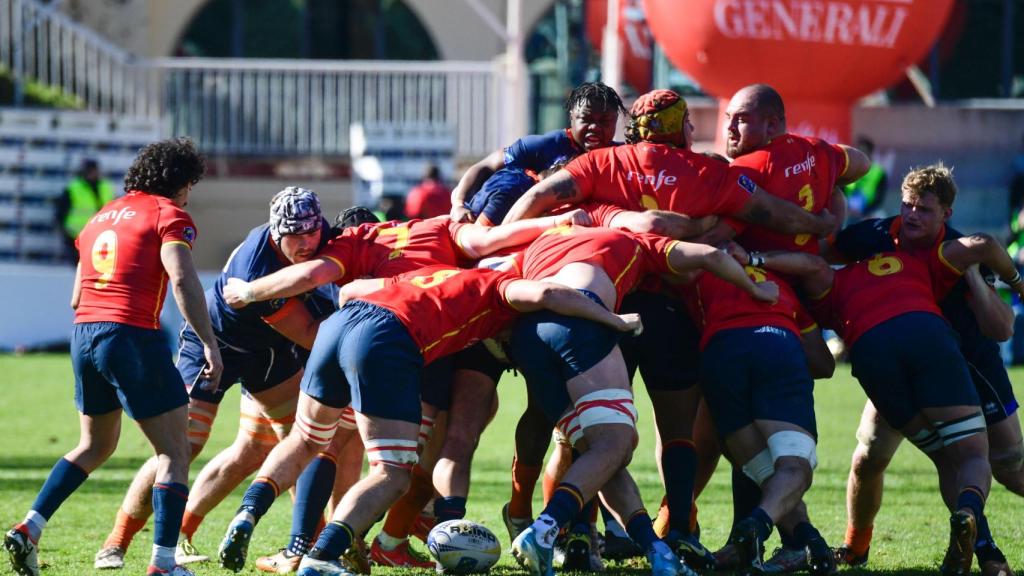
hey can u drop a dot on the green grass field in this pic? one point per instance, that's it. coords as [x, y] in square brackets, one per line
[39, 415]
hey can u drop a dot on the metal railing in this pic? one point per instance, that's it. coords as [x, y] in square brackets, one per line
[248, 106]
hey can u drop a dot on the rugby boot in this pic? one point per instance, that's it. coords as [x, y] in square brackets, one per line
[22, 551]
[847, 557]
[515, 526]
[176, 571]
[311, 567]
[186, 552]
[111, 558]
[821, 560]
[284, 562]
[691, 551]
[235, 546]
[401, 556]
[785, 560]
[749, 548]
[963, 531]
[536, 559]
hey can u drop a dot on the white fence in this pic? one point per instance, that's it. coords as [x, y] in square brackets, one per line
[248, 106]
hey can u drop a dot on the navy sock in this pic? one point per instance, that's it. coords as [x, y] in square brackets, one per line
[168, 508]
[985, 539]
[449, 508]
[581, 523]
[565, 503]
[334, 540]
[802, 535]
[62, 482]
[764, 523]
[641, 530]
[679, 464]
[746, 495]
[312, 492]
[971, 497]
[259, 497]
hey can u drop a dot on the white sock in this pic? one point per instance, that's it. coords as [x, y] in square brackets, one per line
[163, 557]
[546, 530]
[35, 522]
[389, 542]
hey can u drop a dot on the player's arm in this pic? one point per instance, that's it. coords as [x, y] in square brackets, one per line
[531, 296]
[686, 256]
[478, 241]
[552, 192]
[472, 180]
[982, 249]
[814, 274]
[664, 223]
[857, 165]
[358, 289]
[820, 361]
[76, 290]
[995, 317]
[176, 258]
[766, 210]
[837, 205]
[295, 323]
[286, 282]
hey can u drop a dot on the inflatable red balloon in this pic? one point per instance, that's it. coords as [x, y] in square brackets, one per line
[634, 35]
[821, 55]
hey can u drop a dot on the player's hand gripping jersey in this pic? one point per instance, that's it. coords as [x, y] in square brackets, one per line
[797, 169]
[122, 277]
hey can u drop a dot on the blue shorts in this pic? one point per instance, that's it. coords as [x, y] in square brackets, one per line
[122, 366]
[752, 374]
[667, 352]
[499, 192]
[479, 359]
[992, 383]
[436, 382]
[364, 356]
[550, 349]
[912, 362]
[257, 371]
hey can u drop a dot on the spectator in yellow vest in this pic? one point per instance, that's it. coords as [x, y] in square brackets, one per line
[865, 196]
[85, 194]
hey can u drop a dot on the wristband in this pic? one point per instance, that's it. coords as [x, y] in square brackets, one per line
[245, 293]
[755, 259]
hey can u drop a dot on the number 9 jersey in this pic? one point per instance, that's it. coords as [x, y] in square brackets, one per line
[122, 275]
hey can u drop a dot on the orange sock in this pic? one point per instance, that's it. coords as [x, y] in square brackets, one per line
[190, 523]
[125, 528]
[858, 540]
[661, 520]
[403, 513]
[524, 481]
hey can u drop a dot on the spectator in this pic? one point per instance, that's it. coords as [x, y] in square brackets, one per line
[85, 194]
[1017, 182]
[865, 196]
[429, 198]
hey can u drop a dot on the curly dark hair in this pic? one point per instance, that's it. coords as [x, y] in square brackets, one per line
[163, 168]
[597, 95]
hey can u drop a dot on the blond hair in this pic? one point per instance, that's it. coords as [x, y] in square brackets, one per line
[936, 179]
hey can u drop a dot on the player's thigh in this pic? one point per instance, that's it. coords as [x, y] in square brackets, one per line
[94, 394]
[388, 442]
[666, 352]
[138, 362]
[877, 439]
[725, 380]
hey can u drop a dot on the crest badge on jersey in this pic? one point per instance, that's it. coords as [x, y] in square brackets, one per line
[746, 183]
[190, 234]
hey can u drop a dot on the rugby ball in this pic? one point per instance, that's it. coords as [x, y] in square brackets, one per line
[463, 547]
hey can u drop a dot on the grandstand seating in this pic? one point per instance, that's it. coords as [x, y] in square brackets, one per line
[40, 150]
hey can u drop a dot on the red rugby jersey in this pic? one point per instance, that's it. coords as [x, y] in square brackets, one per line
[799, 170]
[123, 278]
[649, 176]
[447, 309]
[626, 257]
[718, 305]
[869, 292]
[393, 248]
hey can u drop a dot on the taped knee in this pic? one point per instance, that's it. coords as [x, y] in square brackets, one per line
[258, 428]
[426, 427]
[953, 431]
[760, 467]
[793, 444]
[347, 421]
[390, 452]
[568, 430]
[606, 407]
[199, 423]
[282, 417]
[318, 433]
[926, 440]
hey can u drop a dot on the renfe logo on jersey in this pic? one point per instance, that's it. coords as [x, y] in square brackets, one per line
[801, 167]
[124, 213]
[655, 181]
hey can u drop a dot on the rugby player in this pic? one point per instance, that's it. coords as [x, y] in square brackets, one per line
[130, 249]
[979, 317]
[593, 110]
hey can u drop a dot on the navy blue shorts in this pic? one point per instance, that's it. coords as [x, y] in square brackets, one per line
[912, 362]
[992, 383]
[122, 366]
[257, 371]
[667, 352]
[436, 382]
[479, 359]
[498, 193]
[364, 355]
[760, 373]
[550, 349]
